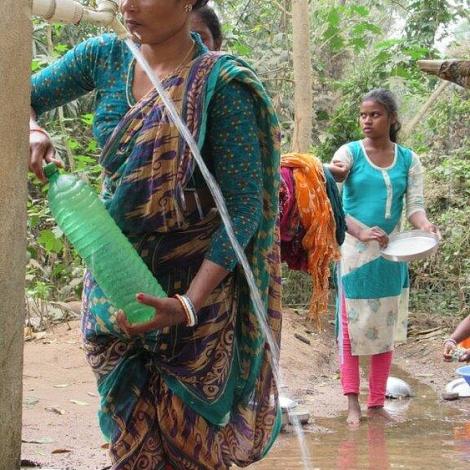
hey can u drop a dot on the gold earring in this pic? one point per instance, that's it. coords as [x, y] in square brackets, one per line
[188, 8]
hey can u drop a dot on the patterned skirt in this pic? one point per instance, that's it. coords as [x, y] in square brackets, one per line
[177, 398]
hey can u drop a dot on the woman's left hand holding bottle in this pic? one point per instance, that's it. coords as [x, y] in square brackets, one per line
[168, 312]
[41, 149]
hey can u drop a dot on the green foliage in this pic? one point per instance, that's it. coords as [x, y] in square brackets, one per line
[54, 270]
[424, 19]
[443, 281]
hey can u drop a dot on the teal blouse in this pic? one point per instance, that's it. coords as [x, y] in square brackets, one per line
[105, 66]
[374, 195]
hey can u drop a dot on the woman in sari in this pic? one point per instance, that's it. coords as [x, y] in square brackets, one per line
[175, 395]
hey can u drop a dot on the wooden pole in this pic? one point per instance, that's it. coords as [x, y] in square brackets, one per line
[303, 99]
[454, 70]
[15, 70]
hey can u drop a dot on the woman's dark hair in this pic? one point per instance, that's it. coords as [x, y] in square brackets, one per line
[199, 4]
[388, 101]
[211, 20]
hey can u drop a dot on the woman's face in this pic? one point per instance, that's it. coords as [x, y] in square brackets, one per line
[155, 21]
[375, 120]
[199, 26]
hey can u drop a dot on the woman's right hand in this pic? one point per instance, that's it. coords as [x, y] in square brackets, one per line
[42, 151]
[449, 348]
[374, 234]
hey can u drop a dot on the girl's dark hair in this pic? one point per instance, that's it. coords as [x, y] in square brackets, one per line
[211, 20]
[388, 101]
[199, 4]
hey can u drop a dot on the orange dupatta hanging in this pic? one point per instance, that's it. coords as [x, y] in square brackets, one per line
[318, 220]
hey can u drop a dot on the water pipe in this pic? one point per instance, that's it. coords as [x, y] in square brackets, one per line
[73, 12]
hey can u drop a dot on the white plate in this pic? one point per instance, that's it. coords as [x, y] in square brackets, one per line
[411, 245]
[459, 386]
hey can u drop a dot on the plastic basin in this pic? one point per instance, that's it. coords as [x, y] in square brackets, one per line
[465, 373]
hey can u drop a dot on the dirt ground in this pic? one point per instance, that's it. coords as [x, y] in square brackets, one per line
[60, 429]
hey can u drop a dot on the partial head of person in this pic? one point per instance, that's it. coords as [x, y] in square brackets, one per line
[206, 23]
[157, 21]
[378, 115]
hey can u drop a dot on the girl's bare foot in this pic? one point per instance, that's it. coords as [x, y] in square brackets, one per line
[354, 410]
[380, 412]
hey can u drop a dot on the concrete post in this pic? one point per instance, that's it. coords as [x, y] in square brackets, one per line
[15, 70]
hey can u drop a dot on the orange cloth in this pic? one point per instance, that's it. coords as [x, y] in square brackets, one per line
[465, 343]
[318, 220]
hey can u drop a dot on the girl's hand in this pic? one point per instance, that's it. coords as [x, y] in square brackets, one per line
[449, 348]
[339, 170]
[431, 228]
[465, 357]
[374, 234]
[168, 312]
[42, 151]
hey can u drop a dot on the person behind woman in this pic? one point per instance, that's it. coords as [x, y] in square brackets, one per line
[461, 334]
[175, 395]
[205, 22]
[378, 174]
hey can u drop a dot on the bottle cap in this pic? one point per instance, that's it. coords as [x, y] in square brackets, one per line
[50, 169]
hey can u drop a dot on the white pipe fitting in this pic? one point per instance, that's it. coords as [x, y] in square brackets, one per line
[64, 11]
[71, 11]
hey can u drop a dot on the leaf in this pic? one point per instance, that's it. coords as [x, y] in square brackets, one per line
[78, 402]
[334, 18]
[42, 440]
[365, 26]
[61, 451]
[360, 10]
[55, 410]
[87, 119]
[50, 242]
[31, 401]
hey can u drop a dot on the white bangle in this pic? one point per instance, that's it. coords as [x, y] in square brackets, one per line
[188, 308]
[450, 340]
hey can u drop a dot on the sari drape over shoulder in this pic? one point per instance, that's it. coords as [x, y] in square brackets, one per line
[201, 397]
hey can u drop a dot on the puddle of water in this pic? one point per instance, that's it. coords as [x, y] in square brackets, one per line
[428, 435]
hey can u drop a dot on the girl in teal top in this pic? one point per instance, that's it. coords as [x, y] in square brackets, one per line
[379, 177]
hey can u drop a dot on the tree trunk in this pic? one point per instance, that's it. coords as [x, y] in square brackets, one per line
[410, 127]
[303, 101]
[15, 70]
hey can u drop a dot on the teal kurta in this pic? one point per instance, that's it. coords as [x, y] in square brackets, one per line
[376, 290]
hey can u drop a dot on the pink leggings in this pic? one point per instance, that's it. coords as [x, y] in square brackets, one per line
[379, 370]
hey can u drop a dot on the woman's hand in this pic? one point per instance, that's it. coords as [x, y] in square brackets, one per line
[373, 234]
[168, 312]
[42, 151]
[449, 348]
[339, 170]
[465, 356]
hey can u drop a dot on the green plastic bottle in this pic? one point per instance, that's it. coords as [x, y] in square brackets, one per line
[119, 270]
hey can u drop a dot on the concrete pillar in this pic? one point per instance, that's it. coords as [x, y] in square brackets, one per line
[15, 70]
